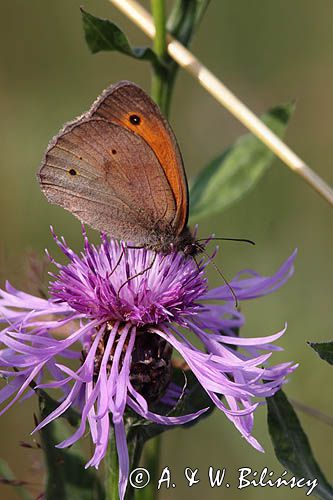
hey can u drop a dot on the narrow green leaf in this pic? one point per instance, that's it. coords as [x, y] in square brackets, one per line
[66, 475]
[183, 21]
[227, 178]
[324, 349]
[292, 446]
[48, 404]
[102, 34]
[7, 477]
[185, 18]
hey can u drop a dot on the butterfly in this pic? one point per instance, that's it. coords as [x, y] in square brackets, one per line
[118, 168]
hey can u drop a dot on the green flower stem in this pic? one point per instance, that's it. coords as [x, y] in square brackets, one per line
[184, 18]
[158, 9]
[111, 470]
[135, 443]
[159, 90]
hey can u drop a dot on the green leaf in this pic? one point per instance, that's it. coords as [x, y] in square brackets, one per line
[183, 21]
[48, 404]
[292, 446]
[7, 477]
[324, 349]
[237, 170]
[66, 475]
[102, 34]
[185, 18]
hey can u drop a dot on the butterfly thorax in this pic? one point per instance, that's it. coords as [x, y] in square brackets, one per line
[184, 242]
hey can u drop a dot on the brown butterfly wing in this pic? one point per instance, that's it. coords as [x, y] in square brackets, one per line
[110, 178]
[127, 104]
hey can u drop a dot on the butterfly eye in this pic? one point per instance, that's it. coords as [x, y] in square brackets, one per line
[135, 119]
[72, 171]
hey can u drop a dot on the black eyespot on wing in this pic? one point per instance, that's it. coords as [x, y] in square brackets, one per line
[114, 152]
[72, 171]
[135, 120]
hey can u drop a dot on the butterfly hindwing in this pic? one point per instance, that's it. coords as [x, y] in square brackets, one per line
[110, 178]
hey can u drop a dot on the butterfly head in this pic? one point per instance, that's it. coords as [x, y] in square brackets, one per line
[185, 242]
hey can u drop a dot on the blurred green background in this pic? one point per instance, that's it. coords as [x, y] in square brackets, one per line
[267, 52]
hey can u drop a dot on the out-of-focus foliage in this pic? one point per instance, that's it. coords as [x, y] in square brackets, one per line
[7, 478]
[66, 473]
[237, 170]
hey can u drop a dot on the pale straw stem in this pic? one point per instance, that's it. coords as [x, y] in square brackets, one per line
[136, 12]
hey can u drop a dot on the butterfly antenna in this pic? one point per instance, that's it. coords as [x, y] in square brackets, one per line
[242, 240]
[137, 274]
[218, 270]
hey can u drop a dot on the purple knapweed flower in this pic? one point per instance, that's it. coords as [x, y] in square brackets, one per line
[128, 308]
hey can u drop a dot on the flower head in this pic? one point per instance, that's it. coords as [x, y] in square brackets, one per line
[116, 283]
[128, 309]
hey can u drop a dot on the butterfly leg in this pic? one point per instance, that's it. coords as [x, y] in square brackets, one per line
[131, 247]
[122, 253]
[137, 274]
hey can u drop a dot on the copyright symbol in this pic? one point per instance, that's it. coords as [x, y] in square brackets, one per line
[139, 478]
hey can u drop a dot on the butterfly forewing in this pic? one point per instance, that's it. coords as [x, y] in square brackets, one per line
[127, 104]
